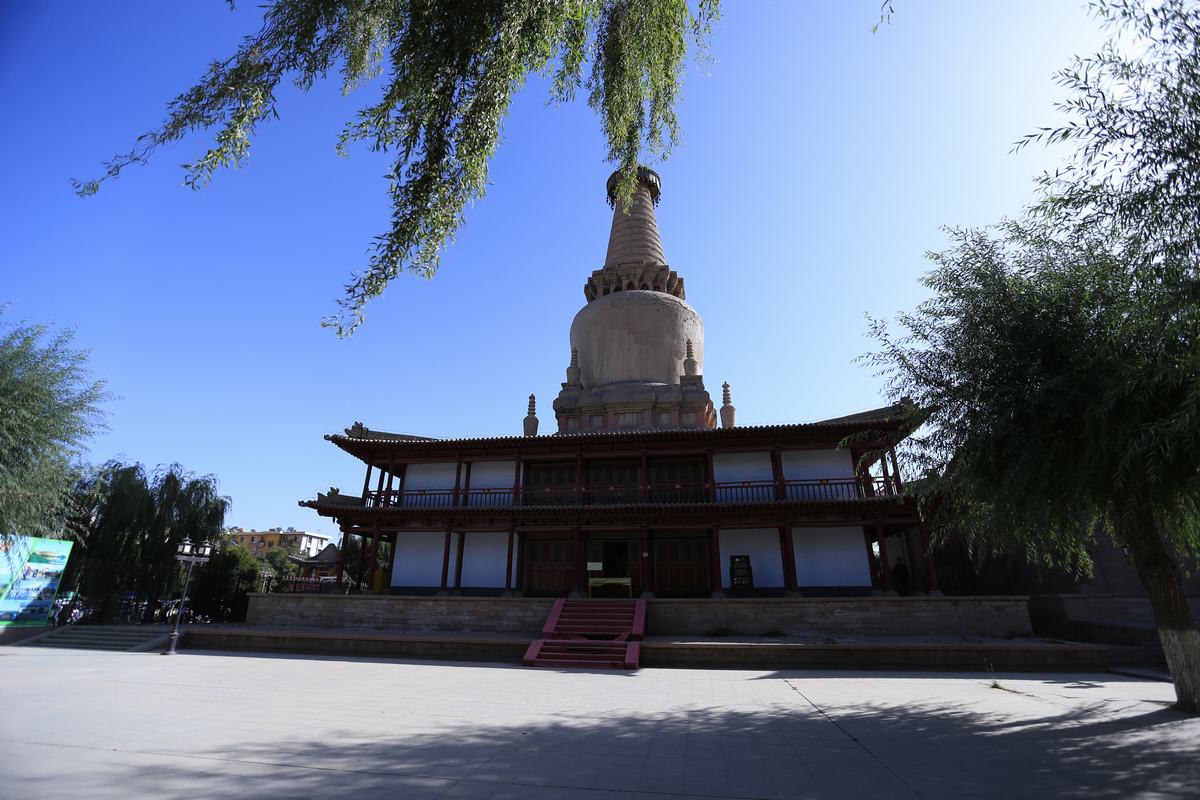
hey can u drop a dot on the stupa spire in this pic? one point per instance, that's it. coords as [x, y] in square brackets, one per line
[633, 238]
[635, 259]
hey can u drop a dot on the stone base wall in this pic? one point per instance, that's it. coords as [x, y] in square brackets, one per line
[396, 613]
[789, 616]
[843, 616]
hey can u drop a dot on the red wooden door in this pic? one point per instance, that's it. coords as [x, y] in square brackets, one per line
[681, 567]
[549, 566]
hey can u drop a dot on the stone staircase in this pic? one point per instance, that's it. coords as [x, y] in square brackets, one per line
[598, 634]
[124, 638]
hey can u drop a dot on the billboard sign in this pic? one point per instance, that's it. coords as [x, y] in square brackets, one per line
[30, 571]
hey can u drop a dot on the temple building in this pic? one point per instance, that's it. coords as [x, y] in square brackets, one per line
[645, 487]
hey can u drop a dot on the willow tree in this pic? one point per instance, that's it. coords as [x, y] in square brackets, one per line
[1058, 389]
[49, 406]
[445, 72]
[1056, 368]
[133, 522]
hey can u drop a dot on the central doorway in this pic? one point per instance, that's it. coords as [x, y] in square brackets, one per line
[618, 558]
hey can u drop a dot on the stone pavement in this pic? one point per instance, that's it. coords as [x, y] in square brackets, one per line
[78, 724]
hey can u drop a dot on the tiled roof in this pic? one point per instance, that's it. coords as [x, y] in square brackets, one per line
[890, 416]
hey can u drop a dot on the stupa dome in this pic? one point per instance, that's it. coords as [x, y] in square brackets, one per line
[636, 335]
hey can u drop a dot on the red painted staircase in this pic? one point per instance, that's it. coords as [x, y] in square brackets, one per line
[603, 634]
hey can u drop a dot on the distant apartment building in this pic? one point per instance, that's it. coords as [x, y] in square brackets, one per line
[305, 543]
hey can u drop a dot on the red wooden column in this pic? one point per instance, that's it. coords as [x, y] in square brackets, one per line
[869, 537]
[519, 576]
[374, 560]
[367, 483]
[715, 562]
[712, 476]
[647, 564]
[445, 562]
[889, 487]
[579, 487]
[458, 559]
[885, 566]
[389, 499]
[516, 494]
[787, 552]
[645, 487]
[457, 491]
[914, 558]
[379, 487]
[927, 553]
[464, 497]
[508, 564]
[345, 548]
[777, 476]
[392, 561]
[580, 562]
[895, 467]
[362, 561]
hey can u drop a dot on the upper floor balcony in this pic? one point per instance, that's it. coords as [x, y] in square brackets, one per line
[820, 490]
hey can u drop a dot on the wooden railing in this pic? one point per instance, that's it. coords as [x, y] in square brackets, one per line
[811, 490]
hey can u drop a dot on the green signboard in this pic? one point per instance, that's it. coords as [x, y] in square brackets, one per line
[30, 571]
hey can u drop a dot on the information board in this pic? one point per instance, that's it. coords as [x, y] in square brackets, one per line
[30, 571]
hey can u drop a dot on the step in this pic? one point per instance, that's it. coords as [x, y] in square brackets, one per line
[595, 658]
[541, 662]
[571, 647]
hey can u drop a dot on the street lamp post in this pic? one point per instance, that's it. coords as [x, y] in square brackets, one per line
[192, 555]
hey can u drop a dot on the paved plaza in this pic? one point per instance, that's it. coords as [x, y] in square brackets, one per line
[82, 724]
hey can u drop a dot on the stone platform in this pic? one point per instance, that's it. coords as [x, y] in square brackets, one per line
[792, 617]
[905, 653]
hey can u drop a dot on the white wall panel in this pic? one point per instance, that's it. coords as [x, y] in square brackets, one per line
[485, 556]
[762, 545]
[492, 475]
[728, 467]
[819, 465]
[419, 559]
[830, 557]
[429, 476]
[804, 465]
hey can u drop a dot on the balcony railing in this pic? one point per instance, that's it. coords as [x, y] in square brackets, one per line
[812, 490]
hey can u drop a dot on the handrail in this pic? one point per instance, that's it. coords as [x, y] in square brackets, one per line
[750, 491]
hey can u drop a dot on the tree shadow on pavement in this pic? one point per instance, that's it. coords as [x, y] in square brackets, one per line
[772, 743]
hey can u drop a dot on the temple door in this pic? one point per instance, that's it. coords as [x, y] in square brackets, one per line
[549, 566]
[681, 567]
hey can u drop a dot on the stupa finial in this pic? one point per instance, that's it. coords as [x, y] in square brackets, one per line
[531, 420]
[728, 412]
[690, 367]
[574, 373]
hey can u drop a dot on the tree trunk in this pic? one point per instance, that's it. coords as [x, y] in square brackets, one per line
[1176, 626]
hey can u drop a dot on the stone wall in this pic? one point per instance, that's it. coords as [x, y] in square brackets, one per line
[842, 616]
[388, 612]
[801, 617]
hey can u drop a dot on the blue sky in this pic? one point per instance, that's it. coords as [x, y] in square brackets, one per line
[817, 166]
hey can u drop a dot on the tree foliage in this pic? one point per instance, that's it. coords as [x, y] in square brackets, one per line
[133, 523]
[277, 559]
[1056, 382]
[1056, 368]
[48, 406]
[1135, 123]
[450, 69]
[219, 587]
